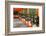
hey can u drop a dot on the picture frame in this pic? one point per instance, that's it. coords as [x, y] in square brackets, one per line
[9, 17]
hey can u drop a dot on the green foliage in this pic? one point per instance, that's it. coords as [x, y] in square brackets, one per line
[32, 12]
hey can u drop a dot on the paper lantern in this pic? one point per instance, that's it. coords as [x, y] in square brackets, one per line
[18, 9]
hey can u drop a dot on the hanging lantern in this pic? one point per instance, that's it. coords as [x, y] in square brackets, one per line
[18, 9]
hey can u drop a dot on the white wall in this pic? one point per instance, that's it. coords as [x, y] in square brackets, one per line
[2, 18]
